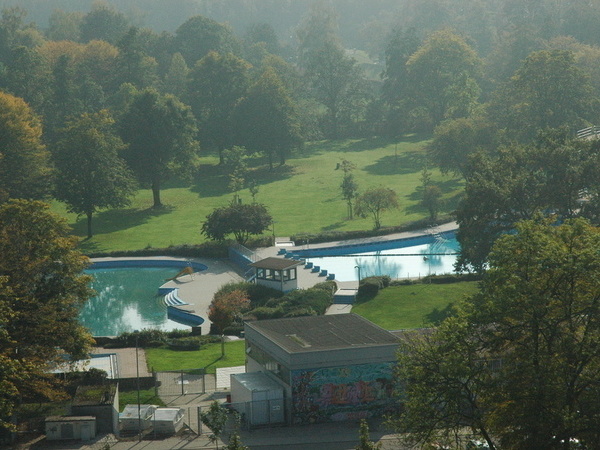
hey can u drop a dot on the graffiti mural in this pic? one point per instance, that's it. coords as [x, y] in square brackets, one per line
[341, 393]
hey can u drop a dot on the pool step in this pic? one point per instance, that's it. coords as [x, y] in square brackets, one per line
[344, 296]
[171, 299]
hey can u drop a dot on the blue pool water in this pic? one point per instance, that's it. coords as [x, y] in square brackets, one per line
[127, 300]
[426, 256]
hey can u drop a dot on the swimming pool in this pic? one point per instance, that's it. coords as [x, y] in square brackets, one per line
[127, 297]
[406, 258]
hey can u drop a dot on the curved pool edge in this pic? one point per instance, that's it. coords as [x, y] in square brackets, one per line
[174, 313]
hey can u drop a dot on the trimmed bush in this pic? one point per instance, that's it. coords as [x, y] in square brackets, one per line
[264, 312]
[258, 294]
[205, 250]
[184, 344]
[369, 287]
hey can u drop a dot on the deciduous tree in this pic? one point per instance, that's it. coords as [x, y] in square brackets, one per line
[519, 363]
[160, 132]
[266, 119]
[217, 83]
[24, 166]
[227, 307]
[241, 220]
[43, 289]
[90, 173]
[375, 202]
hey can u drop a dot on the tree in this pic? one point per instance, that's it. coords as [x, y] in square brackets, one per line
[159, 131]
[197, 36]
[549, 177]
[215, 419]
[241, 220]
[349, 186]
[454, 141]
[103, 23]
[24, 170]
[442, 77]
[234, 160]
[176, 78]
[217, 83]
[431, 194]
[43, 289]
[227, 307]
[365, 439]
[519, 362]
[547, 91]
[375, 201]
[91, 174]
[235, 443]
[266, 119]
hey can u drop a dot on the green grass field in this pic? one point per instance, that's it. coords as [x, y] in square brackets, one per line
[208, 357]
[303, 196]
[413, 306]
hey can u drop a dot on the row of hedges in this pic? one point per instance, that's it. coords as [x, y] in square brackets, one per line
[330, 236]
[205, 250]
[146, 338]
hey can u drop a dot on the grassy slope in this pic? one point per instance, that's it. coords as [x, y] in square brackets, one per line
[413, 306]
[303, 196]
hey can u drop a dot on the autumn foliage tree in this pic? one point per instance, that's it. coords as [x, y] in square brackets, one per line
[226, 307]
[42, 289]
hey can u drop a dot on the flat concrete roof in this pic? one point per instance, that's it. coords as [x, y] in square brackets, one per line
[317, 333]
[275, 263]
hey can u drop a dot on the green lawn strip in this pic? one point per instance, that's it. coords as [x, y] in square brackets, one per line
[208, 357]
[303, 196]
[401, 307]
[147, 397]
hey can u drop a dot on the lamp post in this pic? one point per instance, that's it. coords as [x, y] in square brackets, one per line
[358, 268]
[137, 371]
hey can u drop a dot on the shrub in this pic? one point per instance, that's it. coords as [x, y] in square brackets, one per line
[369, 287]
[264, 312]
[329, 286]
[299, 312]
[316, 299]
[144, 338]
[184, 344]
[257, 293]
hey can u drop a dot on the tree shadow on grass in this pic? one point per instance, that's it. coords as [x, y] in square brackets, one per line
[401, 164]
[447, 205]
[213, 181]
[115, 220]
[436, 316]
[333, 226]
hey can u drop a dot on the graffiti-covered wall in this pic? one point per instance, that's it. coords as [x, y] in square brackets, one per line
[341, 393]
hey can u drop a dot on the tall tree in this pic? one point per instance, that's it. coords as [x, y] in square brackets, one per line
[160, 132]
[199, 35]
[103, 23]
[43, 291]
[217, 82]
[266, 119]
[336, 81]
[519, 363]
[24, 167]
[91, 174]
[547, 91]
[517, 182]
[443, 76]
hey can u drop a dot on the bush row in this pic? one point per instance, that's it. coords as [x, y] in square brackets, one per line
[205, 250]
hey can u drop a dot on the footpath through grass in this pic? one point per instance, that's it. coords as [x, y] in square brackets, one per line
[208, 357]
[413, 306]
[303, 196]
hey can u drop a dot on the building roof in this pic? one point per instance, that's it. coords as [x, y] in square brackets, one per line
[318, 333]
[275, 263]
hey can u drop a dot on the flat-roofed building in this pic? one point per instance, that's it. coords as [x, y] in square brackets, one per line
[332, 368]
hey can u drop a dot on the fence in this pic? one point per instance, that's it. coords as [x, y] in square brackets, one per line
[177, 383]
[242, 256]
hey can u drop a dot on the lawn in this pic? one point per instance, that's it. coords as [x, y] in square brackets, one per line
[208, 357]
[303, 196]
[413, 306]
